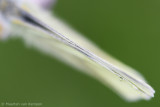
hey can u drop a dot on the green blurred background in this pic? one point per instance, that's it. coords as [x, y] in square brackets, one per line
[127, 29]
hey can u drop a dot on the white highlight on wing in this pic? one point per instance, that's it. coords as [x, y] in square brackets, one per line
[66, 44]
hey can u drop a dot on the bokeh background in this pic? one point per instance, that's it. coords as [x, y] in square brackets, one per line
[127, 29]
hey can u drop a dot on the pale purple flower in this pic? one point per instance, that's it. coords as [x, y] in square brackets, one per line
[43, 3]
[4, 28]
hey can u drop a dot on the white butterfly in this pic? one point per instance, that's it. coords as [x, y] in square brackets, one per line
[38, 28]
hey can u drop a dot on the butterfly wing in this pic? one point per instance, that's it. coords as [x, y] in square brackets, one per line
[74, 49]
